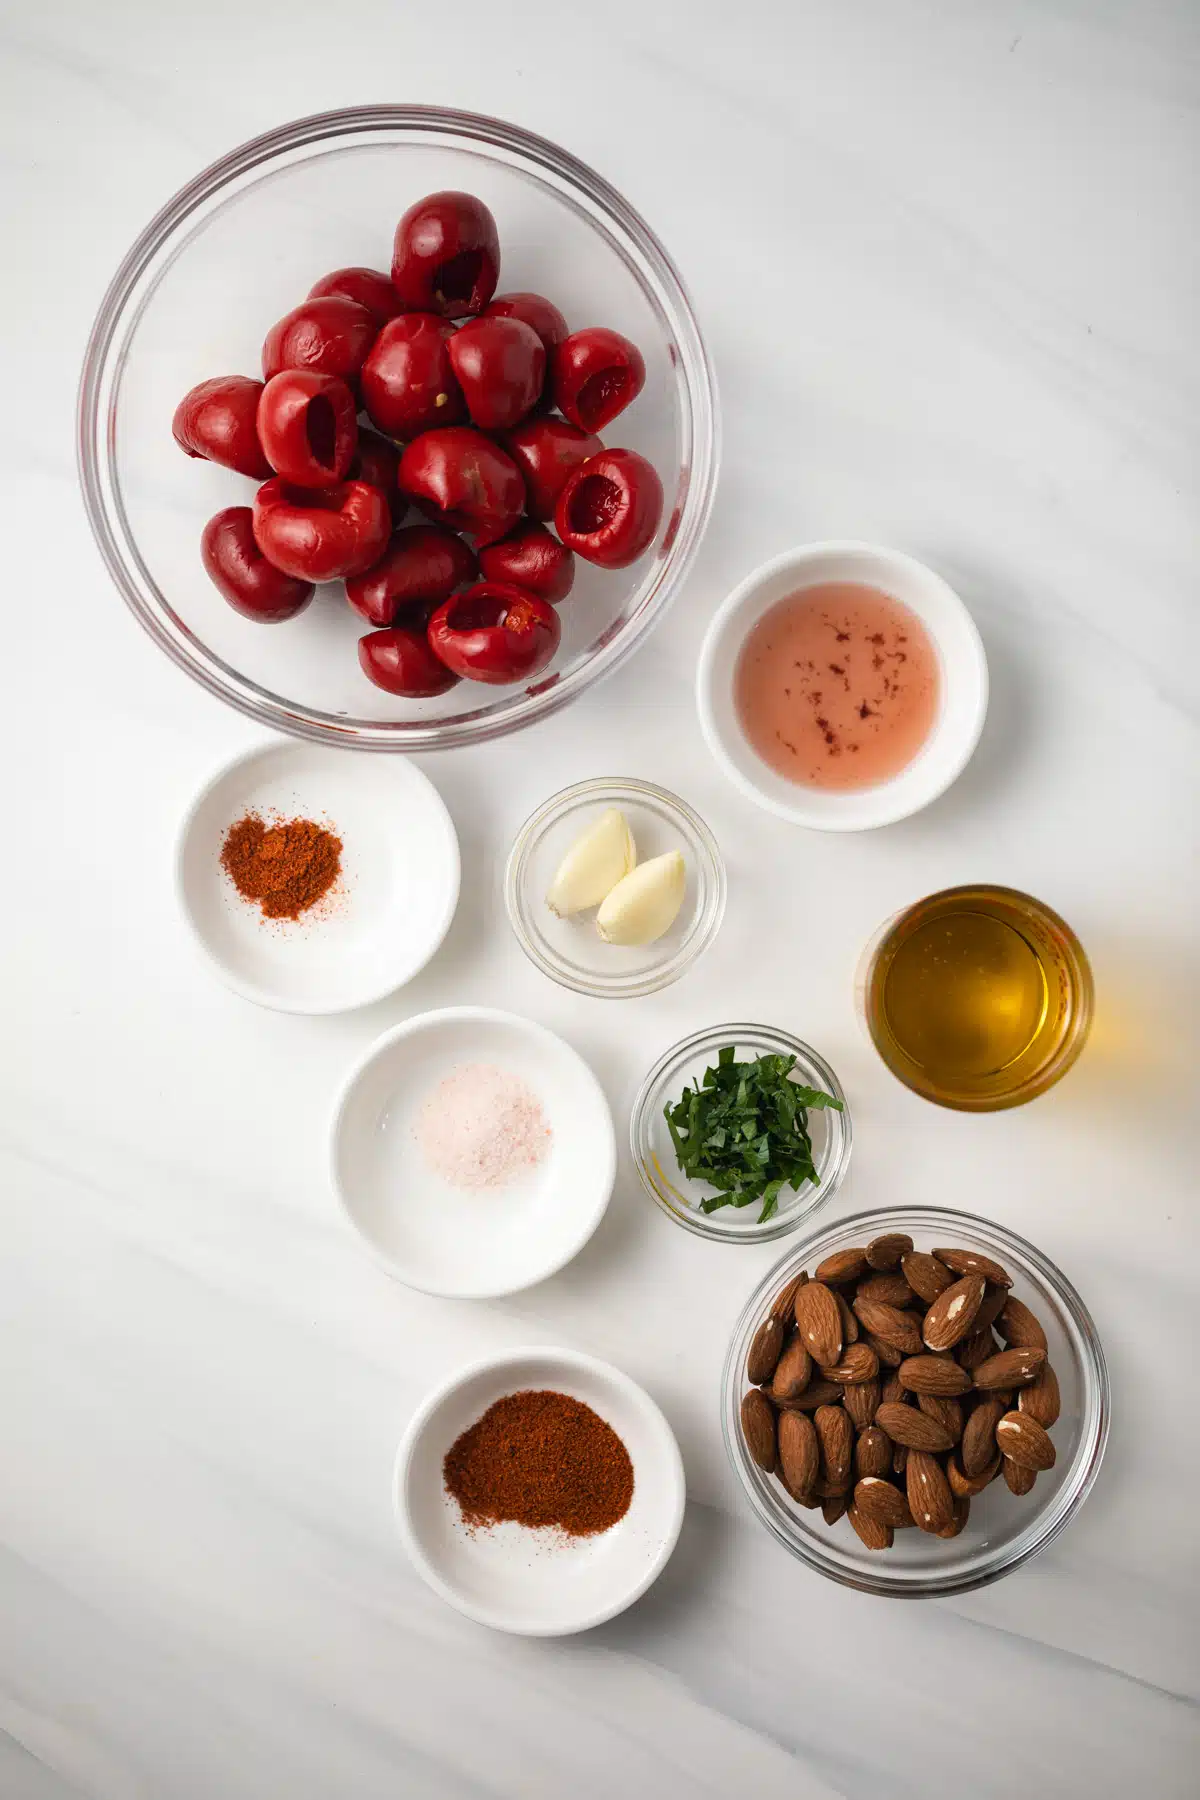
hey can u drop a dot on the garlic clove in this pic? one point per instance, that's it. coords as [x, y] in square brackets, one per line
[593, 865]
[646, 903]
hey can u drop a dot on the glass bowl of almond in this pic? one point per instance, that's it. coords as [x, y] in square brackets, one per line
[915, 1401]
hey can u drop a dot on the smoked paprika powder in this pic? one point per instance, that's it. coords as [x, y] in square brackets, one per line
[285, 867]
[540, 1458]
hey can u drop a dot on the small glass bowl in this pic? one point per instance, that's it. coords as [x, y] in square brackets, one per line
[654, 1154]
[1003, 1530]
[570, 951]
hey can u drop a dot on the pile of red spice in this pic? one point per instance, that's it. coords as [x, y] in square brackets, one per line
[285, 868]
[540, 1458]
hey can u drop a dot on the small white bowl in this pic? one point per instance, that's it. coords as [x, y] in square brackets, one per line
[538, 1583]
[964, 697]
[470, 1244]
[389, 911]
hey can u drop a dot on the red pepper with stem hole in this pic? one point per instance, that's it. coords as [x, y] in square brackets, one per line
[446, 257]
[237, 567]
[319, 534]
[330, 334]
[308, 427]
[531, 558]
[368, 287]
[500, 365]
[546, 451]
[408, 381]
[610, 508]
[400, 661]
[422, 565]
[594, 376]
[464, 480]
[533, 310]
[495, 633]
[218, 420]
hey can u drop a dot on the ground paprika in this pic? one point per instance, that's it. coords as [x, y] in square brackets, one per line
[285, 867]
[540, 1458]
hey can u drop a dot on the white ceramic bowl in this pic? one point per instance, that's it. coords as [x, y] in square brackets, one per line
[470, 1244]
[963, 664]
[536, 1582]
[392, 906]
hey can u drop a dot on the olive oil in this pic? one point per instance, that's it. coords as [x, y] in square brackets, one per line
[978, 997]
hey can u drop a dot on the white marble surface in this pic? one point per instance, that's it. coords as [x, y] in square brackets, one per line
[946, 258]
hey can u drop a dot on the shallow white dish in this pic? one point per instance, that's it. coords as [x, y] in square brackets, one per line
[470, 1244]
[963, 664]
[539, 1583]
[392, 905]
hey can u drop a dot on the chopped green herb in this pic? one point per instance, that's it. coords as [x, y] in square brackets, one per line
[744, 1131]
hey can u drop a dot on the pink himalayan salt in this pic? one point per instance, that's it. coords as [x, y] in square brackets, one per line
[481, 1127]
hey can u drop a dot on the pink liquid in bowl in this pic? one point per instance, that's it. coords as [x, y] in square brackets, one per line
[838, 686]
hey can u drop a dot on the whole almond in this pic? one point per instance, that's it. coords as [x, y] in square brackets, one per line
[905, 1425]
[934, 1375]
[783, 1305]
[952, 1314]
[819, 1322]
[1018, 1477]
[766, 1346]
[962, 1512]
[872, 1452]
[886, 1251]
[899, 1459]
[890, 1324]
[1024, 1441]
[758, 1428]
[1041, 1399]
[893, 1388]
[1011, 1368]
[929, 1498]
[858, 1363]
[832, 1509]
[979, 1436]
[860, 1398]
[963, 1485]
[833, 1490]
[973, 1262]
[819, 1392]
[836, 1435]
[890, 1355]
[874, 1535]
[975, 1348]
[886, 1290]
[850, 1331]
[882, 1501]
[990, 1307]
[799, 1452]
[791, 1374]
[843, 1265]
[925, 1275]
[1018, 1326]
[947, 1412]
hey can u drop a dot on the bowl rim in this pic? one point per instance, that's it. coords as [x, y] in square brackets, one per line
[711, 1225]
[883, 810]
[611, 787]
[425, 1021]
[130, 290]
[674, 1481]
[933, 1583]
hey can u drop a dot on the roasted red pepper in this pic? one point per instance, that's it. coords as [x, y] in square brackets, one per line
[253, 586]
[495, 633]
[610, 508]
[219, 420]
[465, 481]
[330, 334]
[319, 534]
[446, 257]
[594, 376]
[369, 287]
[546, 451]
[501, 366]
[531, 558]
[422, 565]
[308, 427]
[401, 661]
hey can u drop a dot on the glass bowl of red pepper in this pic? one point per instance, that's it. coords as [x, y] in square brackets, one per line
[229, 256]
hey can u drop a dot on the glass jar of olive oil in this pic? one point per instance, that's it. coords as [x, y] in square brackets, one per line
[978, 997]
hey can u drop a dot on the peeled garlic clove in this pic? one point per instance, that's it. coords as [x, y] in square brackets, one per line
[646, 903]
[593, 865]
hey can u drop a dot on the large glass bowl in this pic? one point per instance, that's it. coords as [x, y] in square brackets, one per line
[241, 245]
[1003, 1531]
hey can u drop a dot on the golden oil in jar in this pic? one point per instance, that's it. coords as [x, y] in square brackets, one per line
[978, 997]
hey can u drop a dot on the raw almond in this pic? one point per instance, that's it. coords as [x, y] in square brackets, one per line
[1041, 1399]
[962, 1512]
[836, 1435]
[934, 1375]
[962, 1484]
[819, 1392]
[1019, 1478]
[899, 1459]
[976, 1348]
[1011, 1368]
[849, 1322]
[872, 1452]
[893, 1388]
[873, 1535]
[791, 1374]
[782, 1307]
[860, 1398]
[1018, 1326]
[886, 1290]
[758, 1428]
[952, 1314]
[979, 1436]
[819, 1322]
[832, 1509]
[947, 1412]
[882, 1501]
[765, 1349]
[890, 1324]
[1024, 1441]
[973, 1262]
[925, 1275]
[832, 1490]
[843, 1265]
[929, 1498]
[886, 1251]
[990, 1307]
[890, 1355]
[859, 1363]
[905, 1425]
[799, 1452]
